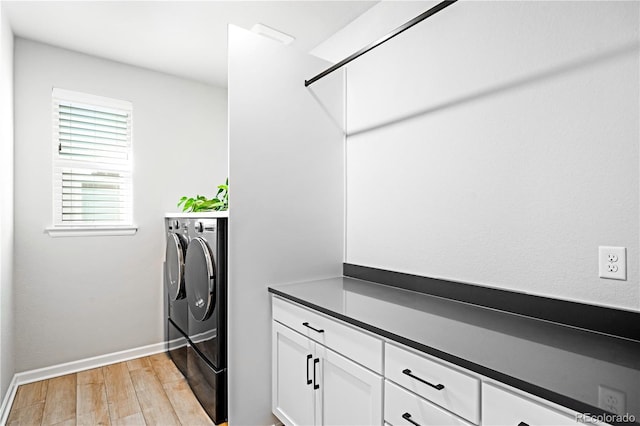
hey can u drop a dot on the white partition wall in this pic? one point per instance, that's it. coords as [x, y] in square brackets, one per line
[286, 205]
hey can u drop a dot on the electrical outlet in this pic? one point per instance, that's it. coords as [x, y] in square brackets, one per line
[612, 262]
[612, 400]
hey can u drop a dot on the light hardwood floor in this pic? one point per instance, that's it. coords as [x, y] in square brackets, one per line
[143, 391]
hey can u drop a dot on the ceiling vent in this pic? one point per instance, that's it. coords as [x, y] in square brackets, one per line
[272, 33]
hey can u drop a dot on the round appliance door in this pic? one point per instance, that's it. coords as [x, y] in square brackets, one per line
[200, 279]
[174, 262]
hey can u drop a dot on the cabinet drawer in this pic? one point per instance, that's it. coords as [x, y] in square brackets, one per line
[458, 393]
[404, 408]
[352, 343]
[502, 407]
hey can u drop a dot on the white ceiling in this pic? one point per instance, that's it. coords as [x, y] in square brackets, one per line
[183, 38]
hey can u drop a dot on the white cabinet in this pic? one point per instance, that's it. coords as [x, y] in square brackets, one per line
[293, 399]
[328, 372]
[348, 394]
[501, 407]
[404, 408]
[450, 388]
[422, 390]
[313, 384]
[342, 338]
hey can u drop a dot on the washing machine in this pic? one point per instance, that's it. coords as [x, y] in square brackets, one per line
[176, 307]
[197, 311]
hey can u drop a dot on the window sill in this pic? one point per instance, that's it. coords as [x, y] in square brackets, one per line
[89, 231]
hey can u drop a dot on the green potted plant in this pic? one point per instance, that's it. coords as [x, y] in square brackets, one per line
[203, 204]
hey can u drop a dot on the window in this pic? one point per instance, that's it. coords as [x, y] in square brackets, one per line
[92, 166]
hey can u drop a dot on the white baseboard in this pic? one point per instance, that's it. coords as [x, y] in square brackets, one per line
[75, 366]
[8, 400]
[88, 363]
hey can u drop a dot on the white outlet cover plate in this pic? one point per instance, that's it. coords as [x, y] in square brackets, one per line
[616, 270]
[612, 400]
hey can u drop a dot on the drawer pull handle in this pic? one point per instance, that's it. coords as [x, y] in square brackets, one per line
[522, 424]
[308, 358]
[315, 385]
[306, 324]
[407, 417]
[439, 386]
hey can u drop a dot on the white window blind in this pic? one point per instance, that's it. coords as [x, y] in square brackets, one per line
[92, 161]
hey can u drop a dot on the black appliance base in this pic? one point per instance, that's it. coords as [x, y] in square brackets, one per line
[208, 385]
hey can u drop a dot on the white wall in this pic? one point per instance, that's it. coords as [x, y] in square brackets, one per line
[6, 204]
[78, 297]
[498, 142]
[372, 25]
[286, 208]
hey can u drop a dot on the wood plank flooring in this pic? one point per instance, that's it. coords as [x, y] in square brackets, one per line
[143, 391]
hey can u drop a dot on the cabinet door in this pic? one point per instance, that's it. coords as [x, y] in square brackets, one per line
[293, 399]
[349, 394]
[503, 408]
[403, 408]
[450, 388]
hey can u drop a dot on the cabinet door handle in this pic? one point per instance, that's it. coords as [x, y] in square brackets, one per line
[315, 385]
[308, 358]
[306, 324]
[439, 386]
[407, 417]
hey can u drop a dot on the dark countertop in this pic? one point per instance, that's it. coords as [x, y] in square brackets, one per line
[562, 364]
